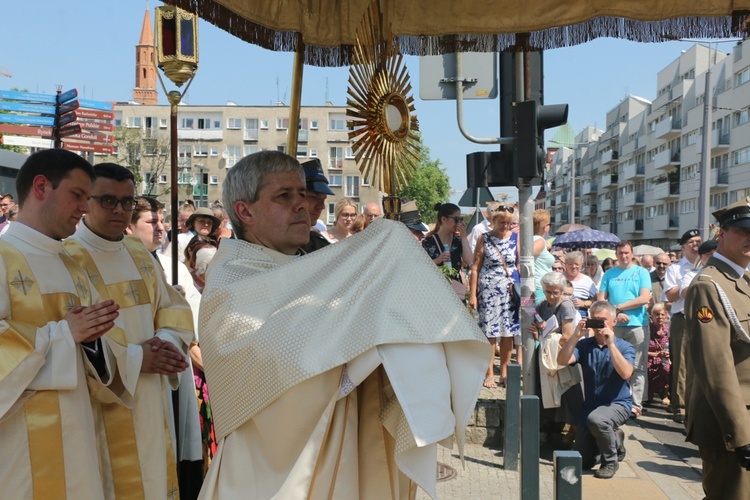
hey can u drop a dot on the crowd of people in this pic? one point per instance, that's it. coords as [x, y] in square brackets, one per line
[144, 386]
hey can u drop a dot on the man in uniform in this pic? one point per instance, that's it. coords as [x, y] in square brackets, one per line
[690, 243]
[341, 334]
[717, 310]
[317, 191]
[54, 355]
[136, 445]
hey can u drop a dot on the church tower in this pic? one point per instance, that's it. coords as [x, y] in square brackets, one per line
[145, 70]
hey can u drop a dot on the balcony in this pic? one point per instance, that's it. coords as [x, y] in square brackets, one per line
[585, 211]
[719, 178]
[552, 202]
[610, 157]
[605, 205]
[719, 141]
[632, 226]
[669, 128]
[335, 163]
[586, 189]
[200, 135]
[251, 134]
[302, 137]
[666, 222]
[631, 199]
[666, 190]
[606, 227]
[667, 160]
[564, 198]
[633, 171]
[594, 209]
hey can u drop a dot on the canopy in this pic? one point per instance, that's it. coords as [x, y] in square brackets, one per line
[571, 227]
[586, 238]
[429, 27]
[647, 250]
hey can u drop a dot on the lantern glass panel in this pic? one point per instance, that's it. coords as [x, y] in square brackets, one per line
[187, 44]
[169, 35]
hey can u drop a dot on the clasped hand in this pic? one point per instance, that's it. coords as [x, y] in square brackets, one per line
[162, 357]
[89, 323]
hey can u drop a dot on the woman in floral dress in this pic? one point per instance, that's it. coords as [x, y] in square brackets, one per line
[658, 354]
[493, 271]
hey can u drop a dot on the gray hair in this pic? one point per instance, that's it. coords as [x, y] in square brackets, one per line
[554, 279]
[574, 256]
[248, 176]
[603, 305]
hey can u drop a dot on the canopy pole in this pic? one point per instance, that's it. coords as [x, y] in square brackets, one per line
[296, 98]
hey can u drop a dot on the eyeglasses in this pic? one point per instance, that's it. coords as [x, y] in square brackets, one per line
[552, 293]
[503, 208]
[457, 219]
[110, 202]
[348, 216]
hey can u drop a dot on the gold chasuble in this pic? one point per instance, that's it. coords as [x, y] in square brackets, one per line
[47, 433]
[136, 446]
[317, 365]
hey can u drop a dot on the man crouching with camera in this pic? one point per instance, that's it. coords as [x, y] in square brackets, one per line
[607, 364]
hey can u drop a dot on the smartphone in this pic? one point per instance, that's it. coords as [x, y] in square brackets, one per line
[594, 323]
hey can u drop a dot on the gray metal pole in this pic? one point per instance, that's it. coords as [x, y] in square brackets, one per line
[705, 176]
[529, 476]
[511, 422]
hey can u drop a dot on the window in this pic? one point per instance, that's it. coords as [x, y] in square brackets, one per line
[281, 149]
[188, 123]
[741, 156]
[162, 123]
[134, 122]
[213, 180]
[349, 153]
[738, 195]
[352, 186]
[687, 206]
[313, 124]
[334, 180]
[118, 122]
[214, 151]
[251, 129]
[303, 123]
[234, 154]
[282, 123]
[204, 123]
[741, 77]
[217, 124]
[249, 149]
[184, 154]
[365, 181]
[162, 178]
[313, 153]
[301, 151]
[234, 123]
[331, 212]
[201, 150]
[336, 158]
[264, 124]
[741, 117]
[337, 122]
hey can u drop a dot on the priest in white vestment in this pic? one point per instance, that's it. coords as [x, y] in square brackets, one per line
[53, 357]
[137, 447]
[317, 363]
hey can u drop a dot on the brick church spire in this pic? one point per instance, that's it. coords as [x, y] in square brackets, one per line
[145, 71]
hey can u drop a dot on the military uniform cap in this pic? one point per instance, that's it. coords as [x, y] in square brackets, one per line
[315, 178]
[737, 214]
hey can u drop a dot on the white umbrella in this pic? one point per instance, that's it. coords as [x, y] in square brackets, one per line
[647, 250]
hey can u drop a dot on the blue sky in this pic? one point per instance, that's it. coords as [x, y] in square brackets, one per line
[90, 45]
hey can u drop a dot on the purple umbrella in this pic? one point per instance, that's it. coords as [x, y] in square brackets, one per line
[586, 238]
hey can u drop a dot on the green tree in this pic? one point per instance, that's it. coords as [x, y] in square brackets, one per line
[146, 153]
[428, 186]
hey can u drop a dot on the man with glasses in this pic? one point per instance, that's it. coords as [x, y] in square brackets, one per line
[690, 242]
[661, 263]
[138, 449]
[6, 205]
[716, 310]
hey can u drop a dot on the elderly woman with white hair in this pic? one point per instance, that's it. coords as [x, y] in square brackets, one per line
[584, 289]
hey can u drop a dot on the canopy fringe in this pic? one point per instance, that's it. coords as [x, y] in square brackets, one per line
[552, 38]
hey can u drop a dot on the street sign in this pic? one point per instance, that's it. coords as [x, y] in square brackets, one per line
[24, 130]
[66, 118]
[101, 126]
[70, 129]
[68, 106]
[28, 142]
[88, 148]
[27, 108]
[88, 136]
[12, 95]
[42, 121]
[96, 115]
[68, 95]
[100, 105]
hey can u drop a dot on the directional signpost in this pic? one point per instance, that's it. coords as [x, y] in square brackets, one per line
[50, 118]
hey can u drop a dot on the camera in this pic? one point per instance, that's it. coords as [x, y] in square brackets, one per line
[594, 323]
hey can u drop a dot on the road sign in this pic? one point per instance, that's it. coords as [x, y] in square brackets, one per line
[100, 105]
[66, 118]
[25, 130]
[101, 126]
[68, 95]
[68, 106]
[70, 129]
[28, 142]
[27, 108]
[42, 121]
[27, 96]
[88, 136]
[96, 115]
[88, 148]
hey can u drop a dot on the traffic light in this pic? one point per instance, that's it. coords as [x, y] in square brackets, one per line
[530, 120]
[490, 168]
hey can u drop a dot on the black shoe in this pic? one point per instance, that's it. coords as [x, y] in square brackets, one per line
[621, 447]
[680, 418]
[607, 471]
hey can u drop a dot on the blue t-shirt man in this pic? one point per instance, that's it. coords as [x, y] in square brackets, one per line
[622, 285]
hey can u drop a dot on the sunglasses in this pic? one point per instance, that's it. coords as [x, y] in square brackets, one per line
[457, 219]
[503, 208]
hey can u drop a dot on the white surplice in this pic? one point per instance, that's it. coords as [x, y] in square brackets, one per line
[152, 413]
[317, 367]
[56, 364]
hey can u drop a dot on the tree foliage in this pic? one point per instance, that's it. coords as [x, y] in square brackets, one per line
[146, 153]
[428, 186]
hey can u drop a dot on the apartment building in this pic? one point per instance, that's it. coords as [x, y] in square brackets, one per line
[639, 178]
[211, 139]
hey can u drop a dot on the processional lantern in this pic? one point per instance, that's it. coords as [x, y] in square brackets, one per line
[177, 43]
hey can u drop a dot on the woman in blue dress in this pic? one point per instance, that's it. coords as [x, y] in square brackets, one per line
[492, 272]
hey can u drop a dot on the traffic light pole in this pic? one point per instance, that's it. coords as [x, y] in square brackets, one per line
[526, 238]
